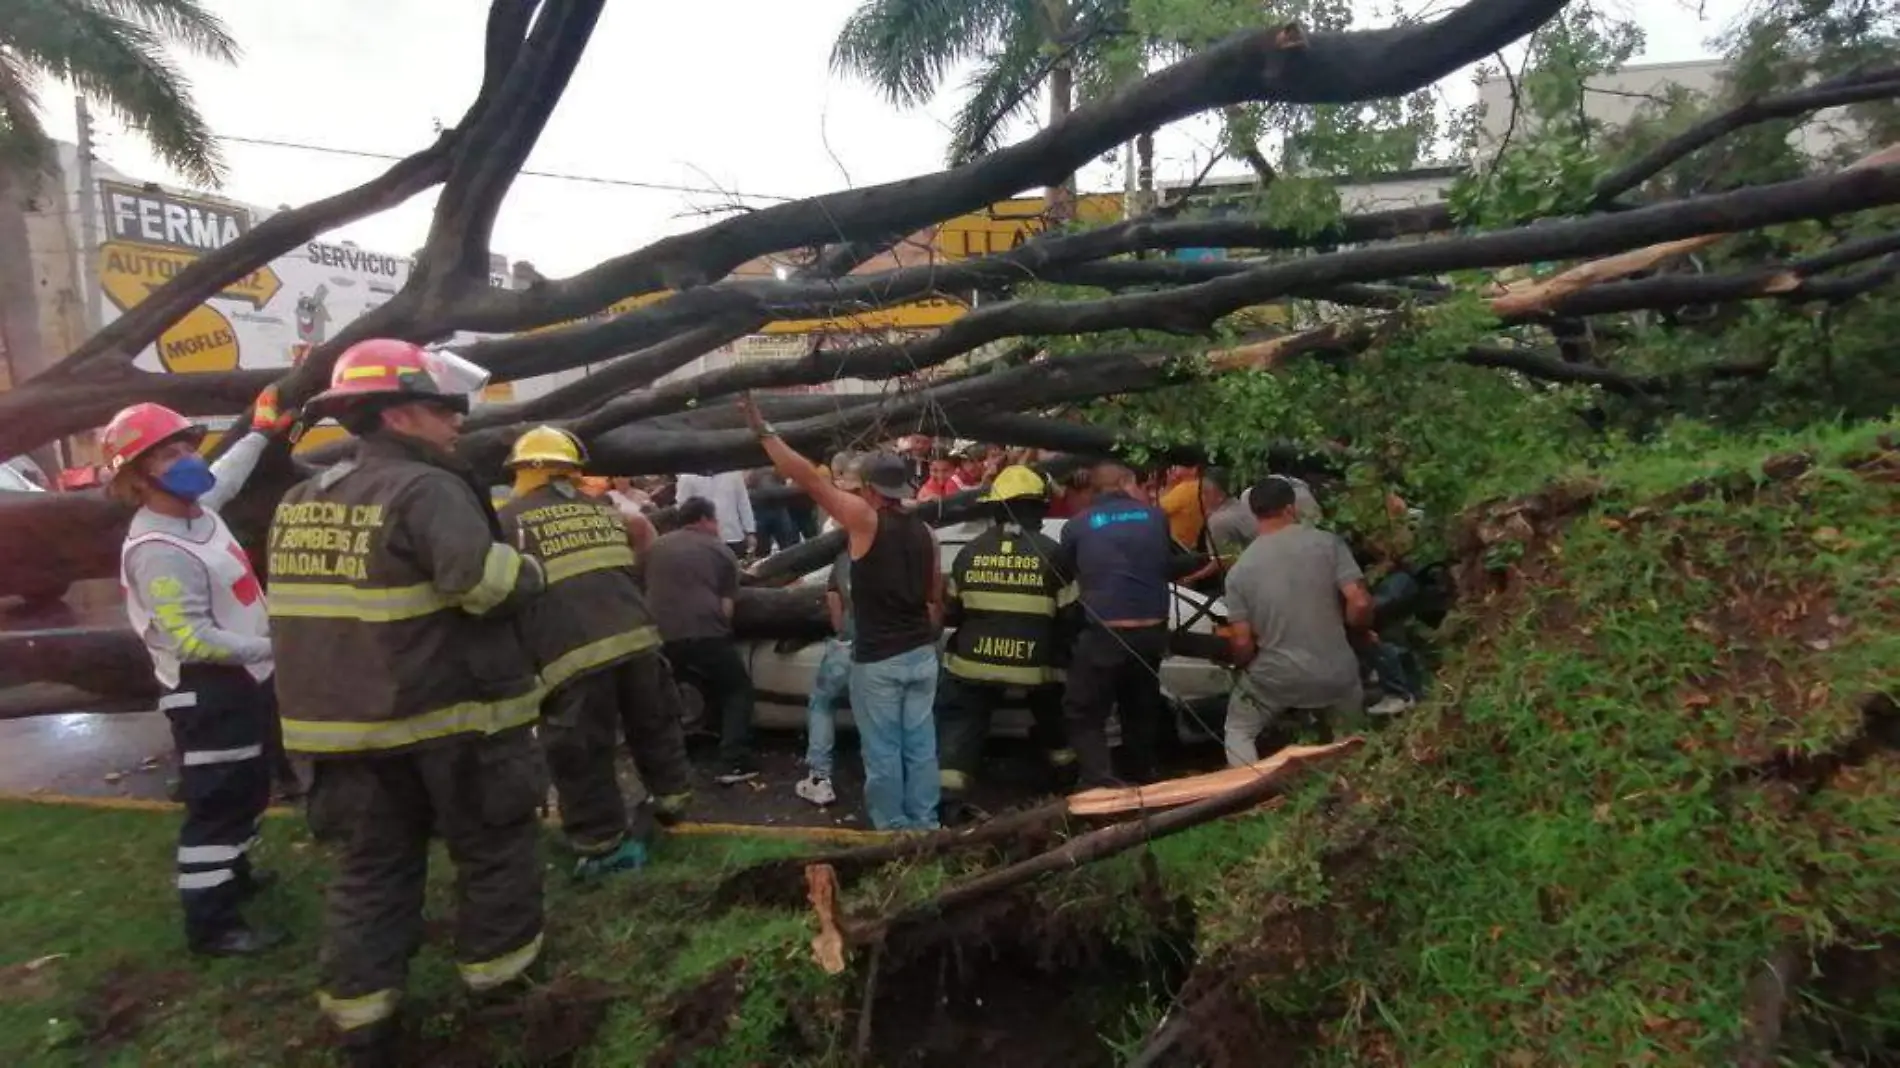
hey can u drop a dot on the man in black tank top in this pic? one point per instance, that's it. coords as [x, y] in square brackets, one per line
[897, 605]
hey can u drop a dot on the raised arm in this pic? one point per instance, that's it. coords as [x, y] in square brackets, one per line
[855, 517]
[233, 469]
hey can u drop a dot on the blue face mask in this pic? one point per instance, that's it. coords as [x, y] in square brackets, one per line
[188, 478]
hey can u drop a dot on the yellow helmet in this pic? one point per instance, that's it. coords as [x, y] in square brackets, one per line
[1015, 483]
[548, 445]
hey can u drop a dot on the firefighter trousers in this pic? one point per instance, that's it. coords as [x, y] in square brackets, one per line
[220, 720]
[581, 723]
[377, 812]
[964, 710]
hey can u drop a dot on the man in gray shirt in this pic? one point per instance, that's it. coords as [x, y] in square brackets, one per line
[1231, 525]
[1290, 599]
[692, 580]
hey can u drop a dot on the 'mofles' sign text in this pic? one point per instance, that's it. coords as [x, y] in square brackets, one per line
[159, 218]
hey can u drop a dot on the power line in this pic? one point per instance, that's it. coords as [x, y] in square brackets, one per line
[631, 183]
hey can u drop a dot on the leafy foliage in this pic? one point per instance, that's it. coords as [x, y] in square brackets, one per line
[1444, 435]
[113, 51]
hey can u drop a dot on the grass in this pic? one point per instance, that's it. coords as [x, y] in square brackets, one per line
[1562, 859]
[87, 893]
[1566, 868]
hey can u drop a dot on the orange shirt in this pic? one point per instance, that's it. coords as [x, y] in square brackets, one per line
[1182, 504]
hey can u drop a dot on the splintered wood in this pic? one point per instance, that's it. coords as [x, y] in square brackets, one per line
[1189, 802]
[1173, 792]
[1523, 298]
[827, 948]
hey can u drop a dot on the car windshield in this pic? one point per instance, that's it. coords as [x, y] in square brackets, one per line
[13, 481]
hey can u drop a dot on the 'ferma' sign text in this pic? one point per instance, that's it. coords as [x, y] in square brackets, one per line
[152, 217]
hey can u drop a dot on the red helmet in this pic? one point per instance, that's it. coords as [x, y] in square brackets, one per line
[386, 367]
[141, 428]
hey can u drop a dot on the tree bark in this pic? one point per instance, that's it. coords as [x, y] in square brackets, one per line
[1084, 849]
[1272, 64]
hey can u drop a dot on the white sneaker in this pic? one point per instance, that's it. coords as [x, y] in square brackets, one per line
[816, 789]
[1391, 705]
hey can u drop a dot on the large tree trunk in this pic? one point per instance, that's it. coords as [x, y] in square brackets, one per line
[21, 345]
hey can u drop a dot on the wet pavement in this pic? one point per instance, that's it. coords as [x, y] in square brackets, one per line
[123, 751]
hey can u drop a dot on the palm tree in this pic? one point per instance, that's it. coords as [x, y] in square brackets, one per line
[907, 47]
[113, 51]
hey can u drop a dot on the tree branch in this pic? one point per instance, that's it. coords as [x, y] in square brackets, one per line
[498, 142]
[1854, 89]
[1195, 308]
[1259, 65]
[1550, 367]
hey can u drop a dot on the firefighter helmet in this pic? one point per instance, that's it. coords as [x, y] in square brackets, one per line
[141, 428]
[385, 368]
[547, 445]
[1015, 483]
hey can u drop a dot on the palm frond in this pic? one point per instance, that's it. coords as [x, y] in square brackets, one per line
[1003, 87]
[25, 147]
[122, 65]
[181, 22]
[906, 47]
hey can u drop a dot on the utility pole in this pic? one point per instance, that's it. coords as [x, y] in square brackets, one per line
[88, 220]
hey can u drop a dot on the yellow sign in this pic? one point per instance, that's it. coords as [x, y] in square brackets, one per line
[201, 341]
[128, 272]
[998, 228]
[1008, 223]
[917, 315]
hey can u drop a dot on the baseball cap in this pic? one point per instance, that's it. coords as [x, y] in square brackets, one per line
[889, 476]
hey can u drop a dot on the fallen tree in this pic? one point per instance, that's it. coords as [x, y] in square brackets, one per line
[1160, 323]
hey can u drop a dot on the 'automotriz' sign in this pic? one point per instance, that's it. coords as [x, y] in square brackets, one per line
[154, 217]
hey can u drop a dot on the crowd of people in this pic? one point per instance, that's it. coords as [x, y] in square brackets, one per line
[437, 657]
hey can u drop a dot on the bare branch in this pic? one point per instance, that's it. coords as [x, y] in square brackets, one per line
[1259, 65]
[1195, 308]
[1856, 89]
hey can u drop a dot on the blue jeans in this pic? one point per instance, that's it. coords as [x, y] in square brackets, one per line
[821, 712]
[891, 700]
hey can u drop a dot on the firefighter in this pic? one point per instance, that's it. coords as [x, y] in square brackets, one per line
[194, 601]
[402, 674]
[599, 656]
[1007, 600]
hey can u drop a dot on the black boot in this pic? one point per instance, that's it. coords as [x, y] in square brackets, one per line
[240, 940]
[374, 1046]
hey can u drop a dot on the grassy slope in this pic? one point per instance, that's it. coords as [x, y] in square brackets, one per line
[1554, 864]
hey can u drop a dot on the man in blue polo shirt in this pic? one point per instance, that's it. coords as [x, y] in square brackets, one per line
[1124, 560]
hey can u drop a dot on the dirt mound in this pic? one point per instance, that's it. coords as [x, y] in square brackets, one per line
[547, 1028]
[125, 1000]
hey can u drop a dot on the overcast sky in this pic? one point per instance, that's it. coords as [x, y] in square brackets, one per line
[726, 94]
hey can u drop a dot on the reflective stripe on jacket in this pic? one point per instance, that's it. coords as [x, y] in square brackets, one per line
[391, 602]
[593, 613]
[1006, 588]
